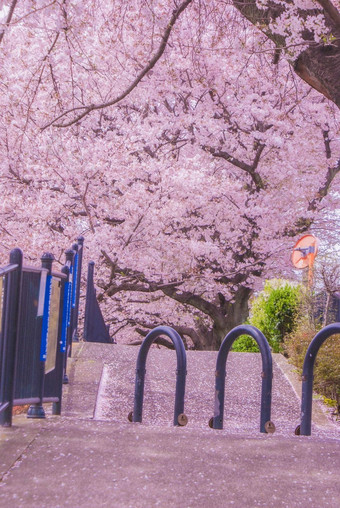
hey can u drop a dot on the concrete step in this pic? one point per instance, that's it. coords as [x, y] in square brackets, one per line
[85, 463]
[92, 455]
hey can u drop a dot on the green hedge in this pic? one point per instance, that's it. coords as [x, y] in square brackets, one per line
[275, 311]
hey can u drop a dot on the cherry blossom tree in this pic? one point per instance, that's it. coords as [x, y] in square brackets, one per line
[164, 133]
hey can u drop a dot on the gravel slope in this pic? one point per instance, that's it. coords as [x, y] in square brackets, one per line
[242, 400]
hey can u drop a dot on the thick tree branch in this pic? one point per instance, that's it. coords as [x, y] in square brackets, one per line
[137, 282]
[187, 331]
[323, 191]
[188, 298]
[85, 110]
[331, 10]
[318, 64]
[183, 331]
[303, 224]
[141, 287]
[250, 169]
[161, 341]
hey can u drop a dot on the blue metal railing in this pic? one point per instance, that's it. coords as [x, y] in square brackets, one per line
[77, 270]
[36, 330]
[267, 374]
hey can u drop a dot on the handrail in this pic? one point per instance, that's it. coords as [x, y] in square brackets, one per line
[7, 269]
[304, 428]
[4, 406]
[33, 269]
[179, 416]
[267, 374]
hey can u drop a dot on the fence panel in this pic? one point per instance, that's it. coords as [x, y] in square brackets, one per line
[9, 304]
[38, 319]
[28, 363]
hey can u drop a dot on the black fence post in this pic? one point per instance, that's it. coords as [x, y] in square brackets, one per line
[64, 341]
[77, 267]
[37, 410]
[9, 331]
[74, 316]
[95, 329]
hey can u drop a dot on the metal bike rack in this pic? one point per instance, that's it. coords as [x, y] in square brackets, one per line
[304, 428]
[266, 425]
[179, 416]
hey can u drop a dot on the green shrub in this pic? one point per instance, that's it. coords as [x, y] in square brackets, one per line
[276, 311]
[245, 343]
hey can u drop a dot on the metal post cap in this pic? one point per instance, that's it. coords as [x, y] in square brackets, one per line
[47, 255]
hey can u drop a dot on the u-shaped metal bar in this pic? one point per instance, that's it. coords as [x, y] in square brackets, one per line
[180, 373]
[308, 377]
[267, 375]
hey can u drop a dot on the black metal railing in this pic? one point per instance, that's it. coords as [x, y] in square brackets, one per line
[308, 377]
[180, 418]
[39, 319]
[266, 425]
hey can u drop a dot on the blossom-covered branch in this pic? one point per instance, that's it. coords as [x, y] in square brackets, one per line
[85, 110]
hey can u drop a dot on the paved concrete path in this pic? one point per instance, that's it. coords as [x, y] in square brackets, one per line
[92, 456]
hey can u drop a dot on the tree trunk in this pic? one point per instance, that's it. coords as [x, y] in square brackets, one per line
[228, 315]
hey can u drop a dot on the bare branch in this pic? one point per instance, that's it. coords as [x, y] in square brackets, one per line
[8, 20]
[92, 107]
[32, 11]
